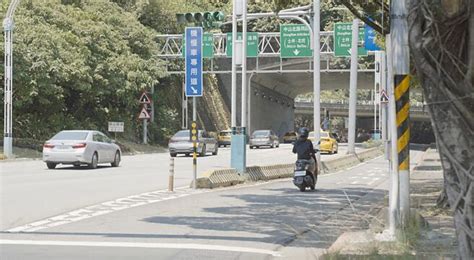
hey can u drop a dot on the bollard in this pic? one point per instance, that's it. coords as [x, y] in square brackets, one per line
[171, 176]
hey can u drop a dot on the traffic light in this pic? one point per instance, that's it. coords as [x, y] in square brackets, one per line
[205, 19]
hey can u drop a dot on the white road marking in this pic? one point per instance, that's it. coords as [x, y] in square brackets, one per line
[138, 200]
[141, 245]
[105, 208]
[354, 182]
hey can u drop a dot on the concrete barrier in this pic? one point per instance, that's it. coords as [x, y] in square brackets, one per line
[228, 177]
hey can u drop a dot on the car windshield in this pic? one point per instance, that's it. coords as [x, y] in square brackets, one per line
[70, 136]
[224, 133]
[261, 133]
[182, 133]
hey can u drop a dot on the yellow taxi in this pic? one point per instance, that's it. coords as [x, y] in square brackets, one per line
[290, 137]
[328, 142]
[223, 139]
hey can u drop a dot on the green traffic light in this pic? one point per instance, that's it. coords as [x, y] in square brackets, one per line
[208, 16]
[219, 16]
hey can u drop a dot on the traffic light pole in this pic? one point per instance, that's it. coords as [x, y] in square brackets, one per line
[353, 88]
[317, 78]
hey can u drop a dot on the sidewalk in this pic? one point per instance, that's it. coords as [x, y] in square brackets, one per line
[439, 240]
[431, 237]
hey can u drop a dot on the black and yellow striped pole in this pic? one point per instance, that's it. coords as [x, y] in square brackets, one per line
[194, 139]
[402, 105]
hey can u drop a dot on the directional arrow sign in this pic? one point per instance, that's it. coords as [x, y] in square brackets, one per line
[295, 41]
[343, 40]
[144, 114]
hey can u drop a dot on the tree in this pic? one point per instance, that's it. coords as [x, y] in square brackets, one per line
[442, 46]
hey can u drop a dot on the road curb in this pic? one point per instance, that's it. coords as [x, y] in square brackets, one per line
[228, 177]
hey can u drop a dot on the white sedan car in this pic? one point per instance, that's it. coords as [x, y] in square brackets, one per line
[79, 147]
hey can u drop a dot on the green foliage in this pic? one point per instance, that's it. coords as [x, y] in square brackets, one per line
[79, 66]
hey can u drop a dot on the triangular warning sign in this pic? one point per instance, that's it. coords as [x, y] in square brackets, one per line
[144, 114]
[145, 99]
[383, 97]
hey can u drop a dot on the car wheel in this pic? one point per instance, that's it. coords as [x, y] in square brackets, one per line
[203, 151]
[51, 165]
[116, 161]
[278, 145]
[273, 145]
[215, 151]
[251, 147]
[187, 154]
[94, 161]
[77, 165]
[337, 149]
[173, 154]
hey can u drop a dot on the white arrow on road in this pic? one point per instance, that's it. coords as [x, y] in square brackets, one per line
[296, 52]
[195, 91]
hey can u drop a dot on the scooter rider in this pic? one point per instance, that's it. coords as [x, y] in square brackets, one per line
[305, 150]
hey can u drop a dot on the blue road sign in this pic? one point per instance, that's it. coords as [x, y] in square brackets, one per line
[369, 39]
[193, 61]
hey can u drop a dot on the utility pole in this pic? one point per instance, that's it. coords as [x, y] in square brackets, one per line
[239, 58]
[401, 98]
[394, 198]
[317, 78]
[8, 26]
[353, 87]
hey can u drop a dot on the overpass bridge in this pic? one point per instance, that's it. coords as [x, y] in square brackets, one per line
[274, 82]
[365, 109]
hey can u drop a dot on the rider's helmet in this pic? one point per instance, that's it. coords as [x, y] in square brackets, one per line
[303, 132]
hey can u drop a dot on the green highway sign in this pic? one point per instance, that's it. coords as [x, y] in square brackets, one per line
[207, 45]
[343, 40]
[252, 44]
[295, 41]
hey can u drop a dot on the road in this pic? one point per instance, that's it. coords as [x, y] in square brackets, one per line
[257, 221]
[30, 192]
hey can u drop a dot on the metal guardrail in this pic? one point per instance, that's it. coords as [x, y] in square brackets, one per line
[268, 44]
[414, 106]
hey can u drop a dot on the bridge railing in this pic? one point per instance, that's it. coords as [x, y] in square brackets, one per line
[268, 44]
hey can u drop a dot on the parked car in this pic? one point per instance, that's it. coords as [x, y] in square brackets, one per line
[224, 138]
[290, 137]
[328, 142]
[79, 147]
[181, 143]
[264, 138]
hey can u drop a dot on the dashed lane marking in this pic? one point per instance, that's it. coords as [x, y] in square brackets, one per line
[141, 245]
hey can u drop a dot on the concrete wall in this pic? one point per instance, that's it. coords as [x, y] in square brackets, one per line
[270, 110]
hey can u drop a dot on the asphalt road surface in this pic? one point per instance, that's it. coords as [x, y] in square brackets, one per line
[259, 221]
[29, 191]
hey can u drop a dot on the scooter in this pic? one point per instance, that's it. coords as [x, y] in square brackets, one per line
[302, 177]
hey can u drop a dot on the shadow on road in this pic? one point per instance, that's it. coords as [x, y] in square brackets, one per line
[285, 216]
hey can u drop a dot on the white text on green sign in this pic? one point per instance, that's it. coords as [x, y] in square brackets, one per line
[252, 44]
[295, 41]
